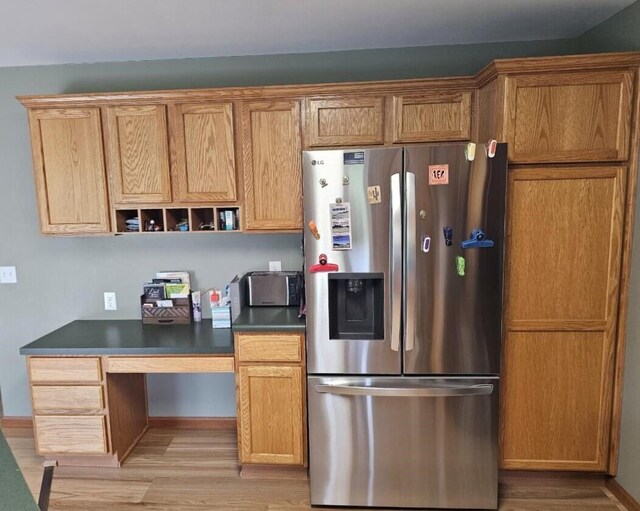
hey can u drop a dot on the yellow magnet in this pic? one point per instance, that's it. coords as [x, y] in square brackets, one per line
[470, 151]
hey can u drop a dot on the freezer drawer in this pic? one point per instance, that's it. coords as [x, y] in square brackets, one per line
[404, 442]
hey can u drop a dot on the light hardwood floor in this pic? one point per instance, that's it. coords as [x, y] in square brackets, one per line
[182, 470]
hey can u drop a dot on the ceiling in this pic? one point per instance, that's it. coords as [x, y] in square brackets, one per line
[36, 32]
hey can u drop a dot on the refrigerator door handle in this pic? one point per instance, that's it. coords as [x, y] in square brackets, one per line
[410, 277]
[396, 261]
[399, 391]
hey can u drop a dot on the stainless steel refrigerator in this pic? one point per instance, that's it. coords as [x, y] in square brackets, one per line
[403, 269]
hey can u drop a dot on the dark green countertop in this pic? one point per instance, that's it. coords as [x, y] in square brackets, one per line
[253, 319]
[131, 337]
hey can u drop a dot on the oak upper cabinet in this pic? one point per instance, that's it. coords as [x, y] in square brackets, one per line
[346, 121]
[569, 117]
[138, 154]
[69, 170]
[271, 398]
[271, 160]
[435, 117]
[203, 166]
[564, 244]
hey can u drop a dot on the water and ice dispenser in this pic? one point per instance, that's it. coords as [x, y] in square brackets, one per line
[356, 306]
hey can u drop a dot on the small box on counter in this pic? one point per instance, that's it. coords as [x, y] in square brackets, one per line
[166, 299]
[221, 317]
[176, 311]
[220, 309]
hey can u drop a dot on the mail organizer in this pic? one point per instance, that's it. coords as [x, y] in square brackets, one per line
[153, 314]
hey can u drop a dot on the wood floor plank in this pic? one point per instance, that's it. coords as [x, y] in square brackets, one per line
[197, 470]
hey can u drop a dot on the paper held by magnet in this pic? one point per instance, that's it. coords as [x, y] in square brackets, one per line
[373, 195]
[340, 226]
[439, 174]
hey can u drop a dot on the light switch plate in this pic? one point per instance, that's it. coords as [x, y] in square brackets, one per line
[275, 265]
[8, 275]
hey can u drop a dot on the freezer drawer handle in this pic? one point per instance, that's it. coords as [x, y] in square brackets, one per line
[452, 391]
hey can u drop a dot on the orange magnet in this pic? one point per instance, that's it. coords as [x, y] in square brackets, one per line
[314, 229]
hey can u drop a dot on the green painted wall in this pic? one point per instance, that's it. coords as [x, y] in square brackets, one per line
[621, 32]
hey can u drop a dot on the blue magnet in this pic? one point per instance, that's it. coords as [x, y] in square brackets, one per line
[448, 236]
[477, 240]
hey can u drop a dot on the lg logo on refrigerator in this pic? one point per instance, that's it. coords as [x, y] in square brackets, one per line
[317, 162]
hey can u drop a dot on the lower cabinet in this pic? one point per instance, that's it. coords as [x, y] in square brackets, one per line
[565, 230]
[69, 414]
[271, 399]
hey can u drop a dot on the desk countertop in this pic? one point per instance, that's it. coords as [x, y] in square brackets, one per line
[131, 337]
[283, 319]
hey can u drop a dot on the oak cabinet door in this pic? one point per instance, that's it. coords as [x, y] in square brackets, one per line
[345, 121]
[569, 117]
[272, 165]
[69, 170]
[271, 414]
[431, 117]
[563, 271]
[138, 150]
[204, 167]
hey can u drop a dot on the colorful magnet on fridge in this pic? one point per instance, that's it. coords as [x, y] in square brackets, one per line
[314, 229]
[478, 239]
[323, 182]
[323, 265]
[492, 145]
[470, 151]
[426, 243]
[460, 265]
[373, 195]
[448, 236]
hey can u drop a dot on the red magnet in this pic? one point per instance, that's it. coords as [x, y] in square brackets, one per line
[323, 265]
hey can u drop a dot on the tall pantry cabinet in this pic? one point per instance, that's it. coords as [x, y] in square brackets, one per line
[571, 176]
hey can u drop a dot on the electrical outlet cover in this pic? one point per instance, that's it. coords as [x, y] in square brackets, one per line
[8, 275]
[275, 265]
[110, 302]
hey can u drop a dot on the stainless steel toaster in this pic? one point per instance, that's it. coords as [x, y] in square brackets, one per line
[269, 288]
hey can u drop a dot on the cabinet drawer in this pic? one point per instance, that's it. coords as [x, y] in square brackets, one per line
[61, 398]
[84, 369]
[213, 364]
[269, 348]
[71, 434]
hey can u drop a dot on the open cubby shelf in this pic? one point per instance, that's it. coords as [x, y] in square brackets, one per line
[203, 219]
